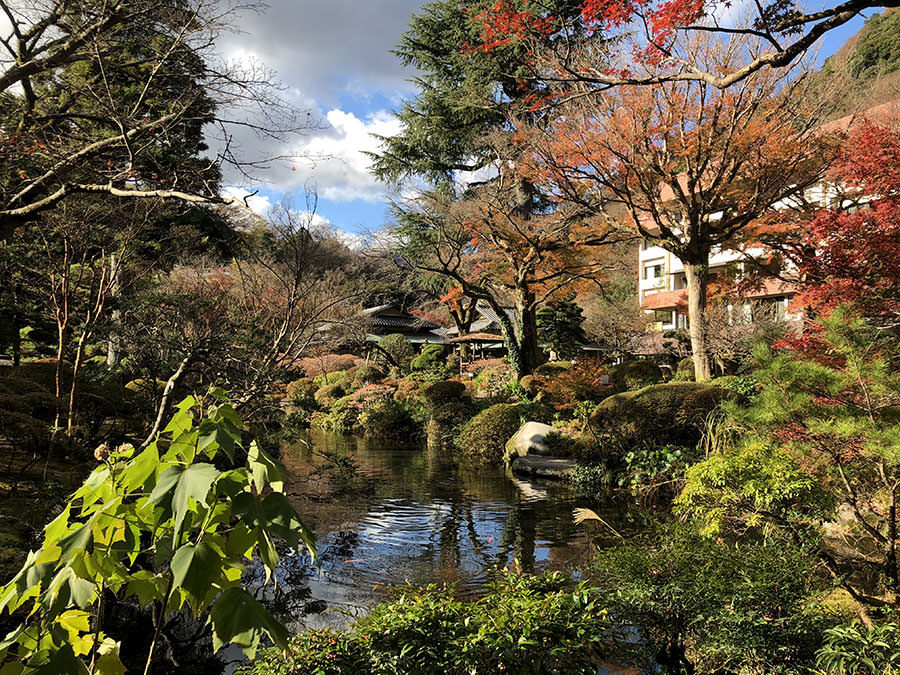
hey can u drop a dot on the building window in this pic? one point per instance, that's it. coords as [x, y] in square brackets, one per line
[654, 271]
[662, 316]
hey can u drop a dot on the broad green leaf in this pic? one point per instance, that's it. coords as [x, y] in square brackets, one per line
[237, 618]
[283, 520]
[58, 662]
[263, 469]
[177, 485]
[78, 541]
[147, 587]
[140, 469]
[196, 567]
[108, 661]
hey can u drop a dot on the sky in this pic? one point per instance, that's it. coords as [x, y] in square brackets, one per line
[333, 59]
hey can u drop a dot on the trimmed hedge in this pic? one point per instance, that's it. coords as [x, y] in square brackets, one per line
[661, 413]
[441, 393]
[635, 375]
[484, 437]
[328, 393]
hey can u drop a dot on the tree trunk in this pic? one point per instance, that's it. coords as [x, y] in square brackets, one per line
[697, 276]
[73, 389]
[114, 345]
[527, 320]
[167, 393]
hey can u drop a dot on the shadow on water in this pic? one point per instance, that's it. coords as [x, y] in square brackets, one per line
[413, 515]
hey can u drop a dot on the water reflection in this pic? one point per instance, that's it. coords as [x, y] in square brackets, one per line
[415, 516]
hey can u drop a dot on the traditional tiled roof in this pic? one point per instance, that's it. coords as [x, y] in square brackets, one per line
[387, 318]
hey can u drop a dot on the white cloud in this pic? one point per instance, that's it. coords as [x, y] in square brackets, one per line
[259, 204]
[332, 162]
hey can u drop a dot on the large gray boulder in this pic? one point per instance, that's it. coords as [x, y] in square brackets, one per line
[530, 439]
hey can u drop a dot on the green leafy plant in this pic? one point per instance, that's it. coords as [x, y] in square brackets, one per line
[166, 526]
[523, 624]
[853, 650]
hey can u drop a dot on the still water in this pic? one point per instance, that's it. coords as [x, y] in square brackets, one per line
[414, 515]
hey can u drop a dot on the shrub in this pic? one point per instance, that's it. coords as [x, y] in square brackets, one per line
[301, 392]
[685, 370]
[635, 375]
[656, 472]
[593, 480]
[386, 418]
[484, 437]
[328, 393]
[441, 393]
[523, 624]
[552, 368]
[584, 382]
[745, 386]
[19, 385]
[432, 357]
[658, 414]
[366, 374]
[399, 349]
[409, 391]
[334, 377]
[854, 650]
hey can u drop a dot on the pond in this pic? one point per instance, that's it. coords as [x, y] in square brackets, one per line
[412, 514]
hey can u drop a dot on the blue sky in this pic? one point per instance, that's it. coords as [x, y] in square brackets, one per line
[334, 60]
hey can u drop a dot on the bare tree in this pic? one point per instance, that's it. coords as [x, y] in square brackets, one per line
[118, 97]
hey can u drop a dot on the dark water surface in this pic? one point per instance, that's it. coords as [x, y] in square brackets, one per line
[414, 515]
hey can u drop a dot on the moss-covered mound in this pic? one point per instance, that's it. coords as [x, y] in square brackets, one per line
[484, 437]
[366, 374]
[329, 393]
[442, 393]
[635, 375]
[685, 370]
[661, 413]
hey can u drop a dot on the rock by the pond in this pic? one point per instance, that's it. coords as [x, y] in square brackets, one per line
[530, 439]
[544, 467]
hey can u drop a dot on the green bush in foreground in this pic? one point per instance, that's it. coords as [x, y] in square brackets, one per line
[169, 526]
[524, 624]
[484, 437]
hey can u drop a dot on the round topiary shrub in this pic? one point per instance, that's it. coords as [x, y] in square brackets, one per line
[531, 385]
[328, 393]
[441, 393]
[685, 370]
[552, 368]
[484, 437]
[635, 374]
[19, 385]
[661, 413]
[300, 390]
[366, 374]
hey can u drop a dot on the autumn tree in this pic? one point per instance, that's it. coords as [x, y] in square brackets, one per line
[494, 253]
[847, 253]
[646, 34]
[685, 165]
[118, 98]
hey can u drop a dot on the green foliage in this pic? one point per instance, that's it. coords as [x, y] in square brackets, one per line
[635, 375]
[707, 607]
[878, 49]
[655, 471]
[744, 386]
[559, 327]
[399, 349]
[552, 368]
[484, 437]
[592, 479]
[387, 418]
[685, 371]
[328, 393]
[433, 362]
[854, 650]
[523, 624]
[442, 393]
[165, 526]
[366, 374]
[821, 432]
[659, 414]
